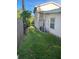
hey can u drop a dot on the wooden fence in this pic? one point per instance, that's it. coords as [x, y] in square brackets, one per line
[19, 32]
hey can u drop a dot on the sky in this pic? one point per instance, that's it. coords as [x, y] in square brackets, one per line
[30, 4]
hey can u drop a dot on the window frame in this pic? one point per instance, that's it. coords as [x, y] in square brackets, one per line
[52, 23]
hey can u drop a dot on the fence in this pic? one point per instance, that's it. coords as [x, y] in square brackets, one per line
[19, 32]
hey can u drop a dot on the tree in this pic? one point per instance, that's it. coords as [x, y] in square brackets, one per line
[30, 21]
[19, 11]
[24, 16]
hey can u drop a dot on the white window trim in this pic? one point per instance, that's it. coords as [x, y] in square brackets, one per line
[53, 23]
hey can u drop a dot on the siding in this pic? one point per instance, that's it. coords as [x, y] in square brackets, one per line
[57, 30]
[46, 17]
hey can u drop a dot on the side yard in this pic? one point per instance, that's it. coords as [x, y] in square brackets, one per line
[39, 45]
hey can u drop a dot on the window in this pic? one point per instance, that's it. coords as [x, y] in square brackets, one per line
[52, 23]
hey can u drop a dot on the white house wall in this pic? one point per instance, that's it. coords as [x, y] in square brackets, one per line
[37, 20]
[57, 30]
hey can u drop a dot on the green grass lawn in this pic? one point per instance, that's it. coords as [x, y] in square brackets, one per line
[39, 45]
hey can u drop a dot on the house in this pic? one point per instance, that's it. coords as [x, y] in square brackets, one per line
[48, 18]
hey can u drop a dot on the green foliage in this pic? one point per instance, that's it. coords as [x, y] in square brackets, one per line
[31, 28]
[19, 14]
[25, 14]
[27, 17]
[30, 21]
[39, 45]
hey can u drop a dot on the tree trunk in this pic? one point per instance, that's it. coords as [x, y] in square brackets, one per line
[23, 5]
[24, 25]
